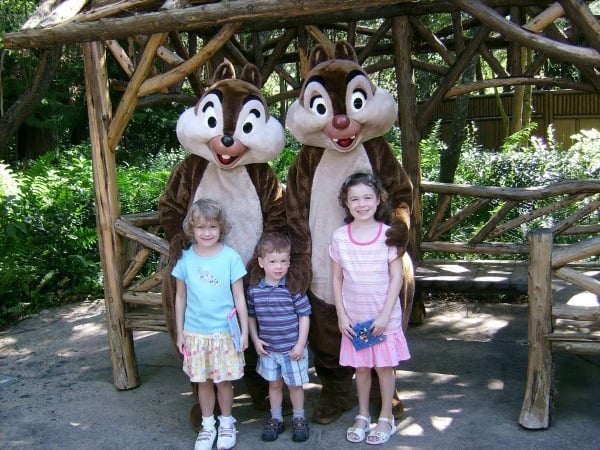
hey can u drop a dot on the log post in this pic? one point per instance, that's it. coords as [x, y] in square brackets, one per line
[402, 34]
[108, 209]
[535, 412]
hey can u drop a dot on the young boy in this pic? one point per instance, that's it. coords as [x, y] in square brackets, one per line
[278, 326]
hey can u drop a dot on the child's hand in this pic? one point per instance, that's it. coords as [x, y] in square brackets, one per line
[379, 325]
[180, 345]
[243, 342]
[297, 352]
[345, 326]
[260, 345]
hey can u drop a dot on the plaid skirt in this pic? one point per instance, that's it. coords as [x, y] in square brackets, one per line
[211, 357]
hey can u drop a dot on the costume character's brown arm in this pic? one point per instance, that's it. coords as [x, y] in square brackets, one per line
[399, 188]
[271, 194]
[175, 201]
[297, 200]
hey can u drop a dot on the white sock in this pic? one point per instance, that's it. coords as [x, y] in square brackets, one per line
[226, 420]
[208, 422]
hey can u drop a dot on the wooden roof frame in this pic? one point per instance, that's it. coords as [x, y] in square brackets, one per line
[148, 25]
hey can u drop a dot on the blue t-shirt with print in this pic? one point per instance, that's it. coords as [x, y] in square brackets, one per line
[208, 281]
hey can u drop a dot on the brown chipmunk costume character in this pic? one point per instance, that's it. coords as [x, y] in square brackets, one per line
[340, 118]
[231, 138]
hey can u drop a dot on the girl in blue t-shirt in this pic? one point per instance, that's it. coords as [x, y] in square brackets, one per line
[209, 284]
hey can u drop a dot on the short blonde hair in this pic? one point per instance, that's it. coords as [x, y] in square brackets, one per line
[208, 210]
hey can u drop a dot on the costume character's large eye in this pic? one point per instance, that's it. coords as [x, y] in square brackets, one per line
[251, 116]
[318, 105]
[250, 121]
[209, 114]
[358, 99]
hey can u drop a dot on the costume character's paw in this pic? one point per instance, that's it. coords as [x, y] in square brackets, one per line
[179, 243]
[328, 409]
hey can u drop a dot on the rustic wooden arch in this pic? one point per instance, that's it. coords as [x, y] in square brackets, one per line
[160, 44]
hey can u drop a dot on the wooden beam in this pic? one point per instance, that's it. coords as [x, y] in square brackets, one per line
[178, 73]
[402, 34]
[517, 81]
[452, 76]
[533, 193]
[186, 19]
[545, 18]
[584, 20]
[120, 339]
[535, 412]
[496, 22]
[129, 100]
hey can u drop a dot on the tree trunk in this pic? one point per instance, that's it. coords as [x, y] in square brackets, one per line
[24, 106]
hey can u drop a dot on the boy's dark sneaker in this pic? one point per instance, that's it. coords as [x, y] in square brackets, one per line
[272, 429]
[300, 427]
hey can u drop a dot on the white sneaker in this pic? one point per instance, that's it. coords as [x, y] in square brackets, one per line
[226, 439]
[205, 439]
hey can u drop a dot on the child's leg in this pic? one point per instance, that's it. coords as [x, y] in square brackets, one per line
[206, 398]
[276, 393]
[387, 383]
[276, 399]
[208, 433]
[227, 432]
[363, 387]
[225, 397]
[356, 433]
[299, 423]
[297, 397]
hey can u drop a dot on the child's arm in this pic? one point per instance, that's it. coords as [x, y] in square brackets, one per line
[237, 288]
[393, 291]
[180, 305]
[297, 352]
[259, 344]
[344, 323]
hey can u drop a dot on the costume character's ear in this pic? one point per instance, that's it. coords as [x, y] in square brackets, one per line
[224, 71]
[251, 74]
[317, 55]
[343, 50]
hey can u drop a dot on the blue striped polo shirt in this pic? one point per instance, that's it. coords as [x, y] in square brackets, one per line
[276, 311]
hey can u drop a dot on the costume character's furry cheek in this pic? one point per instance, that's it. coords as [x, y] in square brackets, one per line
[260, 133]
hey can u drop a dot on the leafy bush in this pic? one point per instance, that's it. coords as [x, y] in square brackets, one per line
[523, 161]
[48, 238]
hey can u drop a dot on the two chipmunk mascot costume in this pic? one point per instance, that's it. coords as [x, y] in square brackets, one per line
[340, 117]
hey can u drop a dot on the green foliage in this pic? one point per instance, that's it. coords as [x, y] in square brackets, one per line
[524, 161]
[48, 238]
[282, 163]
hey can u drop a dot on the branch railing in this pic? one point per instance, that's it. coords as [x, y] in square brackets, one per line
[493, 220]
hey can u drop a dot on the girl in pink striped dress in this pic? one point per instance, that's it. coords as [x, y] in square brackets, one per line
[367, 277]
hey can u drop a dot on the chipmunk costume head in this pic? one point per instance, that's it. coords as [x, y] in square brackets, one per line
[340, 118]
[231, 138]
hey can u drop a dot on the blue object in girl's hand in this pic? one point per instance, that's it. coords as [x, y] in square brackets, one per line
[234, 327]
[364, 337]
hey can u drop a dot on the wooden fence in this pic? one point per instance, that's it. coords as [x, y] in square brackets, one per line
[506, 215]
[567, 111]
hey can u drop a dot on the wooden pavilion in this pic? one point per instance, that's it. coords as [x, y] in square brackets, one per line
[165, 50]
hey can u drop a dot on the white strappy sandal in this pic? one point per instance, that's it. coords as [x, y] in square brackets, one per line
[381, 437]
[357, 434]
